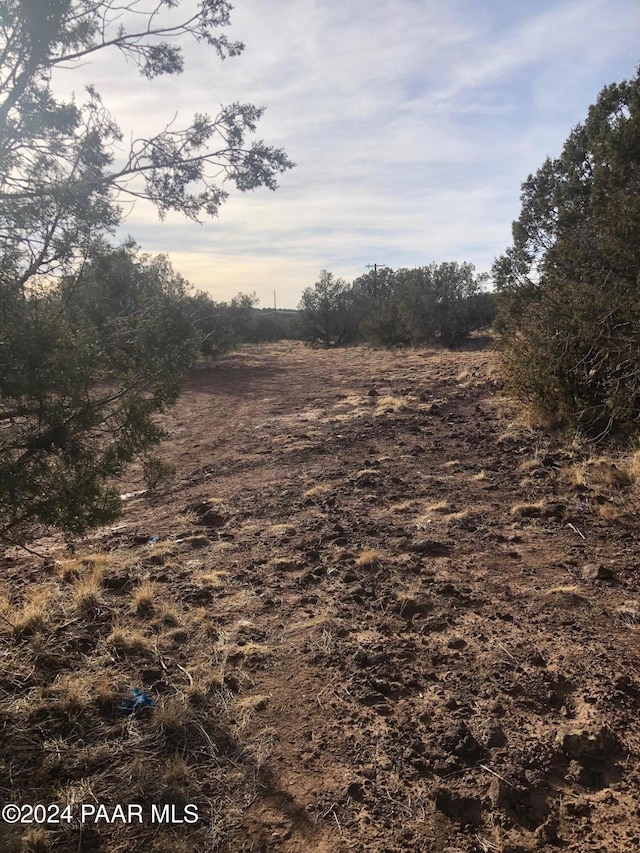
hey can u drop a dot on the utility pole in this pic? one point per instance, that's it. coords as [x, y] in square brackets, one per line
[274, 301]
[375, 276]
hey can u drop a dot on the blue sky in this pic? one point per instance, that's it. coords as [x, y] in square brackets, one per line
[412, 124]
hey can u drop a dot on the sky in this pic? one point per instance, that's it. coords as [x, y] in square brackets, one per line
[412, 124]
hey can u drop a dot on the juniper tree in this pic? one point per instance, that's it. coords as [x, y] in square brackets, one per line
[94, 341]
[570, 282]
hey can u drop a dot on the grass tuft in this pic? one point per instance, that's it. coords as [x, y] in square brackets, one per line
[529, 510]
[127, 642]
[368, 558]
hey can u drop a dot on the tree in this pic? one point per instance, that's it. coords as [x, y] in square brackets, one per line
[570, 282]
[328, 312]
[437, 303]
[84, 366]
[93, 342]
[222, 325]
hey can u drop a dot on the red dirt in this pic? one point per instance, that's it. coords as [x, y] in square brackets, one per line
[423, 689]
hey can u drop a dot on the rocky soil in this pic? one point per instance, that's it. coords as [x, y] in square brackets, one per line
[426, 610]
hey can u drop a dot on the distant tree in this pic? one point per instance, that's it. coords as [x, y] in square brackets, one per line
[270, 325]
[64, 166]
[438, 303]
[570, 283]
[222, 326]
[376, 305]
[328, 312]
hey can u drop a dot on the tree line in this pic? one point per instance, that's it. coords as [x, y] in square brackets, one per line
[435, 304]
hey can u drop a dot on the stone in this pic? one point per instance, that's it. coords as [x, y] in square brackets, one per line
[596, 572]
[467, 811]
[588, 746]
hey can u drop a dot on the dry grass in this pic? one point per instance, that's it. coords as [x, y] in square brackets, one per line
[210, 661]
[441, 508]
[171, 717]
[128, 641]
[145, 598]
[615, 514]
[87, 590]
[285, 564]
[366, 472]
[529, 510]
[629, 614]
[565, 595]
[460, 515]
[70, 692]
[166, 616]
[444, 513]
[246, 708]
[216, 579]
[33, 614]
[317, 491]
[69, 703]
[199, 540]
[403, 506]
[529, 464]
[395, 404]
[368, 558]
[481, 475]
[604, 471]
[611, 485]
[158, 553]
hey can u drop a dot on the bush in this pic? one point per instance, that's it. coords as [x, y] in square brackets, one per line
[328, 312]
[569, 285]
[84, 366]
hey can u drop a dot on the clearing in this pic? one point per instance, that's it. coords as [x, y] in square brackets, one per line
[403, 622]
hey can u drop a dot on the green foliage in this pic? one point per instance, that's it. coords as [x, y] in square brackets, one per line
[221, 326]
[438, 303]
[84, 366]
[569, 284]
[94, 341]
[328, 312]
[271, 325]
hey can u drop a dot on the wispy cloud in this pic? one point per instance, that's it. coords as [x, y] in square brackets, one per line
[412, 124]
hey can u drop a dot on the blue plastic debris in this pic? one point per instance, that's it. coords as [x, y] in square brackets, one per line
[139, 699]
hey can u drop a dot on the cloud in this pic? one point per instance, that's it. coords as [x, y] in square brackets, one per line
[412, 124]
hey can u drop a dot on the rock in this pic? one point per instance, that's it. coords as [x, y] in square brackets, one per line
[467, 811]
[547, 833]
[623, 683]
[149, 676]
[355, 790]
[411, 606]
[578, 774]
[429, 548]
[499, 793]
[588, 746]
[576, 808]
[596, 572]
[494, 737]
[208, 513]
[459, 741]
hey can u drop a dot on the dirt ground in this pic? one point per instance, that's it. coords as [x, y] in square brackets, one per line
[424, 612]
